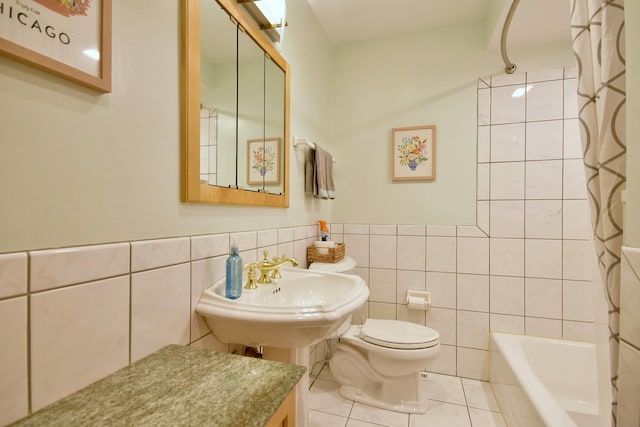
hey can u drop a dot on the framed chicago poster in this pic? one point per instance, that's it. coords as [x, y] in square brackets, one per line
[68, 38]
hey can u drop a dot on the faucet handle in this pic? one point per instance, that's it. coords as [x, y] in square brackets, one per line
[251, 283]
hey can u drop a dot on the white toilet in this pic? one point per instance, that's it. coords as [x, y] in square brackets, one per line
[379, 363]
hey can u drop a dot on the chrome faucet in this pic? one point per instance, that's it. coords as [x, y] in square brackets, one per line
[265, 266]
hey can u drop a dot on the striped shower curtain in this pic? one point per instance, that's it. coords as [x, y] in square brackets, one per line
[597, 28]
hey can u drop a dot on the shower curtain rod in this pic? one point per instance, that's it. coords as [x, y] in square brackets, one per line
[510, 67]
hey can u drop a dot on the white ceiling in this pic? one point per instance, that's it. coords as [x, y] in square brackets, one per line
[536, 22]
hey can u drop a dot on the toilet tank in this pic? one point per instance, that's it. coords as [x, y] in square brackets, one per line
[346, 266]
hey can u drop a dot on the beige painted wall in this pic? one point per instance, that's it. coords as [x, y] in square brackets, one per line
[632, 222]
[78, 168]
[426, 77]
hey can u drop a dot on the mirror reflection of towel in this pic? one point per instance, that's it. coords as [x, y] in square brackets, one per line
[319, 174]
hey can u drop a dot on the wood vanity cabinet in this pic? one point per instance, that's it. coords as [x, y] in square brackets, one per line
[285, 416]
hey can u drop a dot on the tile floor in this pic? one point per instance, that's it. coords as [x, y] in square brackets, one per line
[453, 402]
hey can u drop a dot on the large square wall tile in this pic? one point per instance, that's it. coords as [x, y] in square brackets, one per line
[160, 309]
[630, 295]
[59, 267]
[204, 274]
[629, 386]
[13, 274]
[148, 254]
[79, 334]
[13, 360]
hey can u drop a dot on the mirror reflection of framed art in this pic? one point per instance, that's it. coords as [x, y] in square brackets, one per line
[263, 161]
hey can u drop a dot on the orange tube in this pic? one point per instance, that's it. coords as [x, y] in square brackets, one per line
[323, 226]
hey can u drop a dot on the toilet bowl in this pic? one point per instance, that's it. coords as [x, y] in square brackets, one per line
[379, 364]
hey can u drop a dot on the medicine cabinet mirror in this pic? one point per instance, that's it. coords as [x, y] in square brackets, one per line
[235, 109]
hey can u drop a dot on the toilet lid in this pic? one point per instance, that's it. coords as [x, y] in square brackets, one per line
[398, 334]
[346, 264]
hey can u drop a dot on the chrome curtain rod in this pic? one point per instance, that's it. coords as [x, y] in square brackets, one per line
[510, 67]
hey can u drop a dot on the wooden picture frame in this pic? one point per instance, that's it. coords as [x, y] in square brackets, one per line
[413, 152]
[263, 161]
[69, 39]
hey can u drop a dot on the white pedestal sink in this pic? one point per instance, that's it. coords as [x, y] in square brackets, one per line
[301, 309]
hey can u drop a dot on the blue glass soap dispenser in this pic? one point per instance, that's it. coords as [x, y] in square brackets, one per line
[233, 288]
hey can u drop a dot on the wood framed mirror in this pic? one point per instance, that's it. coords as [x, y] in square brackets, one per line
[218, 119]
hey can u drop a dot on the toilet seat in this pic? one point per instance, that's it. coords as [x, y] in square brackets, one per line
[398, 334]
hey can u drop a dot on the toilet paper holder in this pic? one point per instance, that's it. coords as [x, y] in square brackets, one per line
[418, 300]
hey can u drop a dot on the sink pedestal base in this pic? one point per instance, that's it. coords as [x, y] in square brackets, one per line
[298, 356]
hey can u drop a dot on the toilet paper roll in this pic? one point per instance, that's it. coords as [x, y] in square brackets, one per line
[323, 246]
[417, 303]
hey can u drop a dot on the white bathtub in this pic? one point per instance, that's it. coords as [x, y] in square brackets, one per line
[543, 381]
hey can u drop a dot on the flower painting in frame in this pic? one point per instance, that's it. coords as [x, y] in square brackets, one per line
[413, 153]
[263, 161]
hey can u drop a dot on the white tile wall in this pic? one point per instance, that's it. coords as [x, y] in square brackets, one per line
[506, 257]
[382, 285]
[473, 255]
[572, 144]
[13, 274]
[59, 267]
[88, 310]
[506, 323]
[544, 180]
[629, 370]
[507, 181]
[13, 360]
[543, 258]
[629, 386]
[209, 246]
[160, 309]
[79, 334]
[507, 295]
[382, 251]
[473, 292]
[630, 296]
[545, 101]
[544, 140]
[506, 218]
[507, 142]
[543, 327]
[204, 273]
[442, 287]
[441, 254]
[411, 252]
[406, 280]
[148, 254]
[505, 107]
[543, 219]
[543, 298]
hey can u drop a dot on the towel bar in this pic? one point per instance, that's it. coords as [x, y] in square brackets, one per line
[303, 140]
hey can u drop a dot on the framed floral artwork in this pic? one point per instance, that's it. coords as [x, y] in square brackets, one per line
[68, 38]
[413, 153]
[263, 161]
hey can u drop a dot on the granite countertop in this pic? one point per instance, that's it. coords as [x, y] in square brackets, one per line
[178, 385]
